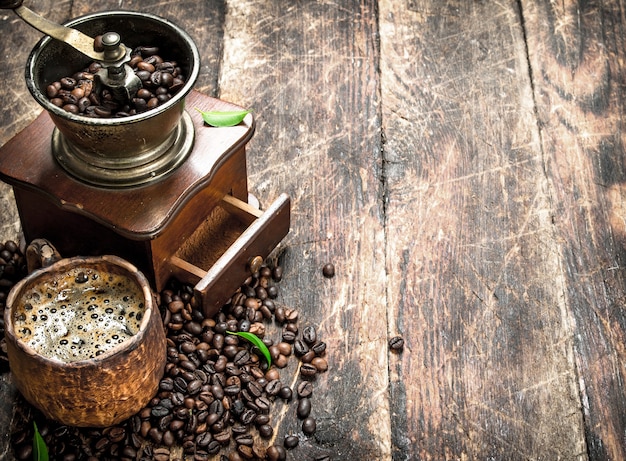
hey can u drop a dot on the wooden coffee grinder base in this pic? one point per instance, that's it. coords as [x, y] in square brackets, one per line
[194, 224]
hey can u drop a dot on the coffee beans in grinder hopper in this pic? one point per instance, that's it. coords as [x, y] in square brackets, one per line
[217, 393]
[80, 94]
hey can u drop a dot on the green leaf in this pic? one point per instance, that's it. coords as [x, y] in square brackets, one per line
[256, 341]
[223, 118]
[40, 450]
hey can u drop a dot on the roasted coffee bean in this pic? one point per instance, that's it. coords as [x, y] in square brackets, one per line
[216, 407]
[304, 389]
[214, 447]
[242, 357]
[168, 438]
[245, 451]
[281, 361]
[277, 273]
[222, 437]
[308, 357]
[164, 422]
[194, 387]
[309, 425]
[320, 363]
[265, 431]
[304, 408]
[328, 270]
[291, 441]
[166, 384]
[289, 336]
[247, 416]
[396, 343]
[117, 434]
[309, 335]
[319, 348]
[292, 327]
[180, 385]
[155, 435]
[300, 347]
[245, 439]
[203, 440]
[232, 390]
[273, 387]
[159, 411]
[263, 404]
[308, 371]
[276, 453]
[285, 393]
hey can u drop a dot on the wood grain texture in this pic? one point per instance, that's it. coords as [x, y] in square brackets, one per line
[488, 370]
[461, 164]
[577, 54]
[309, 71]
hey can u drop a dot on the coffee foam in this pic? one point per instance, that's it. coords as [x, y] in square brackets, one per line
[79, 315]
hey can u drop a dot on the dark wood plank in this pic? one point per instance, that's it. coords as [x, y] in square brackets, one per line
[309, 69]
[18, 110]
[475, 284]
[577, 56]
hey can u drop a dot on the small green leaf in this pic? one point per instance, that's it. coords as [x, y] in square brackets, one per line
[223, 118]
[40, 450]
[256, 341]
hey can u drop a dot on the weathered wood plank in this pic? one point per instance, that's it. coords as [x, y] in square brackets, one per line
[475, 283]
[309, 71]
[18, 110]
[577, 54]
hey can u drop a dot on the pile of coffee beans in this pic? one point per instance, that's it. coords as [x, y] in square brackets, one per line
[80, 94]
[217, 392]
[12, 269]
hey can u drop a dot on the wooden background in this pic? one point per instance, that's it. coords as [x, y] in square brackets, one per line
[461, 164]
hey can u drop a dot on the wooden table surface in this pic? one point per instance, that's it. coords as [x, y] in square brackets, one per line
[461, 164]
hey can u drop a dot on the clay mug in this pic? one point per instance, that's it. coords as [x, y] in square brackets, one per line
[65, 357]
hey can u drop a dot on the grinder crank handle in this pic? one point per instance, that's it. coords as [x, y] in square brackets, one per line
[72, 37]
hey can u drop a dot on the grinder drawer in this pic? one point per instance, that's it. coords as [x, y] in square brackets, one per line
[227, 247]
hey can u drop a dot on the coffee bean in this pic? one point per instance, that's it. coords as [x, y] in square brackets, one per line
[300, 347]
[222, 437]
[289, 336]
[319, 348]
[273, 387]
[320, 363]
[308, 357]
[328, 270]
[291, 441]
[263, 404]
[304, 408]
[194, 387]
[203, 440]
[265, 431]
[159, 411]
[305, 389]
[396, 344]
[309, 335]
[285, 393]
[307, 370]
[309, 425]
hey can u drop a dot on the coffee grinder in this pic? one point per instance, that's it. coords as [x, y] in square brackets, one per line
[160, 188]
